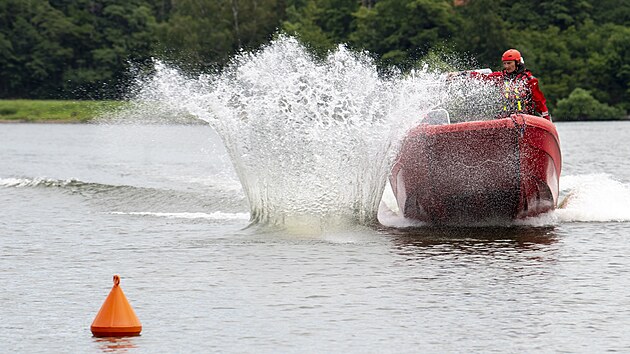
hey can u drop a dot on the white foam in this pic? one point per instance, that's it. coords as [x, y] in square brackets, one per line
[32, 182]
[14, 182]
[389, 200]
[593, 198]
[546, 219]
[389, 218]
[389, 213]
[217, 215]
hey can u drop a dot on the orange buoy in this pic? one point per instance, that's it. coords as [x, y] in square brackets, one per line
[116, 318]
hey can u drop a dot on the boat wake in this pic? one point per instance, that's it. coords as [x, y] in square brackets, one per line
[594, 198]
[209, 203]
[218, 215]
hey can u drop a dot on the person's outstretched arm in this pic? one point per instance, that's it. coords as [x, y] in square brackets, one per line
[539, 99]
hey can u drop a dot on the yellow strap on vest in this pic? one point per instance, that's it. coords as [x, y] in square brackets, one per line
[516, 95]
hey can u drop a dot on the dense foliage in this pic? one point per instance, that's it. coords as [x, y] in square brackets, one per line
[581, 105]
[87, 48]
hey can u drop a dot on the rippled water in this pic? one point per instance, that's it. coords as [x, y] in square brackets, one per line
[162, 207]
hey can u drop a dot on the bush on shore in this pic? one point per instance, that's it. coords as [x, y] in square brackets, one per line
[581, 105]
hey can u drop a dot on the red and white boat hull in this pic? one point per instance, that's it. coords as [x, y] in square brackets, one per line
[480, 171]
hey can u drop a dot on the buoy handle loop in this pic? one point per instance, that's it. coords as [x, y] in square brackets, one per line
[116, 280]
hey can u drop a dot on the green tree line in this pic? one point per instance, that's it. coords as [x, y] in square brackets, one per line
[82, 49]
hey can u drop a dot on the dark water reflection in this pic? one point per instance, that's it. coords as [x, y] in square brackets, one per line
[475, 239]
[531, 248]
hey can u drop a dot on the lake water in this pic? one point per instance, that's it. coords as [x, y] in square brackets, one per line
[162, 207]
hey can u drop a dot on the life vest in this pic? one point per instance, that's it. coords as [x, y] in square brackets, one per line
[517, 95]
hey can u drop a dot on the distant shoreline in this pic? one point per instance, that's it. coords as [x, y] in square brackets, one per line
[54, 111]
[80, 112]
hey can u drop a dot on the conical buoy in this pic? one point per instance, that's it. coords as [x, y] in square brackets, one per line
[116, 318]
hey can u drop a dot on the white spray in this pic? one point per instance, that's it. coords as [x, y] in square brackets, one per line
[310, 140]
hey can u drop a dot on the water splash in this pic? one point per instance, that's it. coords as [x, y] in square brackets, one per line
[309, 139]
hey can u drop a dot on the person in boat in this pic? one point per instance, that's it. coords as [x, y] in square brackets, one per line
[520, 88]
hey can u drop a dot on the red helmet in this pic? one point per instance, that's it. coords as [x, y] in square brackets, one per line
[512, 54]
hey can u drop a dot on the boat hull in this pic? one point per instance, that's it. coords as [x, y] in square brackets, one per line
[482, 171]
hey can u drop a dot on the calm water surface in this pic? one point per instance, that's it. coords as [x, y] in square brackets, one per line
[161, 206]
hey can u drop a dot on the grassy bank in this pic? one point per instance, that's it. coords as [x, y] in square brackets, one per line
[53, 110]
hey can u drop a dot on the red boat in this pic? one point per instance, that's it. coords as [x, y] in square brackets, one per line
[478, 172]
